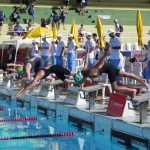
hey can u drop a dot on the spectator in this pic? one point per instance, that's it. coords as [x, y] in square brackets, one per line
[60, 50]
[81, 33]
[27, 3]
[35, 49]
[116, 57]
[118, 28]
[66, 2]
[18, 30]
[63, 14]
[2, 16]
[71, 57]
[14, 16]
[78, 3]
[53, 51]
[90, 46]
[27, 55]
[56, 18]
[148, 63]
[46, 25]
[83, 6]
[42, 22]
[29, 27]
[45, 51]
[31, 11]
[11, 52]
[97, 50]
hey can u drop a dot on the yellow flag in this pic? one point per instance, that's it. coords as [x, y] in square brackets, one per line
[139, 28]
[100, 33]
[74, 32]
[55, 32]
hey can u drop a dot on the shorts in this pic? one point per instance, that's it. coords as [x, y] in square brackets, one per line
[63, 19]
[81, 35]
[14, 19]
[83, 4]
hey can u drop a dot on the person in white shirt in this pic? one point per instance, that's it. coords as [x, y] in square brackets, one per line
[53, 50]
[116, 57]
[34, 52]
[90, 46]
[71, 57]
[60, 50]
[45, 51]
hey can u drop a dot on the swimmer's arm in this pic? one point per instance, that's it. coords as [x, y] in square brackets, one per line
[34, 82]
[14, 65]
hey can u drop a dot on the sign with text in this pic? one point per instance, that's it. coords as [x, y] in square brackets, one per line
[116, 104]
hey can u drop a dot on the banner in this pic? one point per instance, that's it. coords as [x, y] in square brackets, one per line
[116, 104]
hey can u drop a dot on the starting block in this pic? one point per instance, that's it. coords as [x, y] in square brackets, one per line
[76, 95]
[141, 101]
[50, 90]
[7, 80]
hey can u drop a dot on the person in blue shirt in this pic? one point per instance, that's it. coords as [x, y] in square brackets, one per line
[18, 29]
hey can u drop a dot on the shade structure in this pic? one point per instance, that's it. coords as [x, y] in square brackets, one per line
[74, 32]
[100, 33]
[139, 27]
[55, 32]
[39, 32]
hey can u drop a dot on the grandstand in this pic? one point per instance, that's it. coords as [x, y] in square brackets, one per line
[117, 10]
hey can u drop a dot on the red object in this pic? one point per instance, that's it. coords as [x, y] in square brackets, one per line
[19, 119]
[116, 104]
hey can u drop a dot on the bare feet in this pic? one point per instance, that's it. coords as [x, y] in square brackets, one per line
[146, 84]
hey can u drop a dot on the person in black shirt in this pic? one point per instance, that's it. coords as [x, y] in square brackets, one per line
[58, 70]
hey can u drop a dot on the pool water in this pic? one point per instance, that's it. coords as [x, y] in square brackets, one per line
[84, 139]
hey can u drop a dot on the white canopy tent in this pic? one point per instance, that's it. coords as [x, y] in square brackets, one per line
[18, 42]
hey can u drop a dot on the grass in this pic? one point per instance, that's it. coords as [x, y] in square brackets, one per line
[125, 17]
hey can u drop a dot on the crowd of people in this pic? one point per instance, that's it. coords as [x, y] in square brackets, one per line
[37, 58]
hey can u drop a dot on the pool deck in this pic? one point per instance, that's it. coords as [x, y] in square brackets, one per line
[97, 119]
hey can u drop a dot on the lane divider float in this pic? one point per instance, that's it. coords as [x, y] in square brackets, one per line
[19, 119]
[66, 134]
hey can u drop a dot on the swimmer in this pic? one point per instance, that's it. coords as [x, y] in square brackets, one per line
[112, 72]
[58, 70]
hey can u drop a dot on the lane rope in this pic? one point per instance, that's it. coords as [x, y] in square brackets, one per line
[19, 119]
[66, 134]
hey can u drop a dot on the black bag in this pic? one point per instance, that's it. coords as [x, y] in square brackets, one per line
[121, 28]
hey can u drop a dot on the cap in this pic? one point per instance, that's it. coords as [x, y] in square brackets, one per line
[116, 20]
[44, 37]
[53, 40]
[33, 41]
[70, 35]
[88, 34]
[78, 77]
[59, 35]
[110, 31]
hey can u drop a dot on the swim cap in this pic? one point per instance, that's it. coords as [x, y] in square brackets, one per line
[20, 70]
[78, 77]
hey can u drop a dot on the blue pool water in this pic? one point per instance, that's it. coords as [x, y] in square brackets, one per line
[84, 139]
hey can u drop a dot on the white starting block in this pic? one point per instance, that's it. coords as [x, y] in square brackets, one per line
[141, 102]
[50, 90]
[74, 96]
[7, 80]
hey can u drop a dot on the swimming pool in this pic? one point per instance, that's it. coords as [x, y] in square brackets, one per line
[84, 138]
